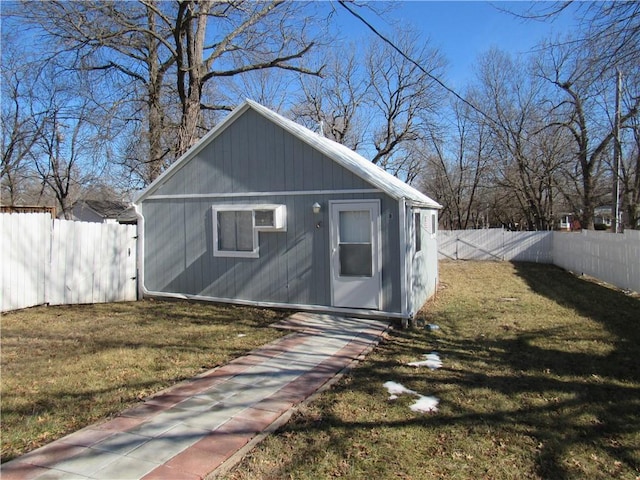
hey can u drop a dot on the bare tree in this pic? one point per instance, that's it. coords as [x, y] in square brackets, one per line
[580, 110]
[249, 36]
[608, 31]
[385, 107]
[21, 128]
[69, 154]
[456, 170]
[157, 60]
[335, 103]
[126, 48]
[403, 97]
[526, 153]
[267, 87]
[630, 174]
[583, 68]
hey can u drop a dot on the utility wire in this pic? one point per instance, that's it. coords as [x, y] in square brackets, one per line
[343, 4]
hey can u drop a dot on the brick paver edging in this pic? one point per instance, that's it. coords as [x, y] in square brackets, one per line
[352, 356]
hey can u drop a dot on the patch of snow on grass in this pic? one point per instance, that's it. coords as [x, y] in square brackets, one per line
[396, 389]
[425, 404]
[432, 360]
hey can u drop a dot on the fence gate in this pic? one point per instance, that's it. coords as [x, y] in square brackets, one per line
[65, 262]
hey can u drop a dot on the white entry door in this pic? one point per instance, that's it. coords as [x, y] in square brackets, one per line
[356, 277]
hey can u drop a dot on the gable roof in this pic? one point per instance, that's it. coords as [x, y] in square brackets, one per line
[337, 152]
[103, 208]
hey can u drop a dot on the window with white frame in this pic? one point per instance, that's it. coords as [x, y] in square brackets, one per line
[235, 231]
[417, 231]
[236, 227]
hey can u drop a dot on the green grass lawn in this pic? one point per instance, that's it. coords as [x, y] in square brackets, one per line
[540, 379]
[66, 367]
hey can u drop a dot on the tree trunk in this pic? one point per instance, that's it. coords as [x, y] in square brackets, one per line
[155, 123]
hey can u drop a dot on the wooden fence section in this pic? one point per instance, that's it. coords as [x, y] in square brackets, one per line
[65, 262]
[613, 258]
[495, 244]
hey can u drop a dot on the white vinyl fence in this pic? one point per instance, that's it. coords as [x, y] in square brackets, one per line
[495, 244]
[613, 258]
[57, 262]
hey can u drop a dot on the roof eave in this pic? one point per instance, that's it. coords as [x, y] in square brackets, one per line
[413, 203]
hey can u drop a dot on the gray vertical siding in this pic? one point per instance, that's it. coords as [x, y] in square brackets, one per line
[424, 268]
[255, 155]
[293, 266]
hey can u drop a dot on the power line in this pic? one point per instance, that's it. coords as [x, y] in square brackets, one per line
[343, 4]
[486, 116]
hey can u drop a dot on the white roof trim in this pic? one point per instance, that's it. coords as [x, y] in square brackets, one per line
[342, 155]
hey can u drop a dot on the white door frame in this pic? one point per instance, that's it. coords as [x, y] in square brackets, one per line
[353, 291]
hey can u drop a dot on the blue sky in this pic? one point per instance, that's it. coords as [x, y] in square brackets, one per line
[464, 29]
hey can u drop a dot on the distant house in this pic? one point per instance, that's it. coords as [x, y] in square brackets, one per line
[565, 222]
[102, 211]
[128, 217]
[262, 211]
[568, 222]
[602, 217]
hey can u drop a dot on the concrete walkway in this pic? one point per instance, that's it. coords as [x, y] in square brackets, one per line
[203, 426]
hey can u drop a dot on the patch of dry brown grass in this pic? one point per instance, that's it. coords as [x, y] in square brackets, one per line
[66, 367]
[540, 380]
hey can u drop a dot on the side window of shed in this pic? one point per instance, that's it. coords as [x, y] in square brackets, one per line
[417, 227]
[434, 224]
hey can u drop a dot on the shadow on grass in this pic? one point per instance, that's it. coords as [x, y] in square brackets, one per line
[560, 413]
[617, 312]
[64, 367]
[577, 408]
[614, 398]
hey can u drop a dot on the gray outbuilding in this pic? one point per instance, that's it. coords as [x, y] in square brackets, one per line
[262, 211]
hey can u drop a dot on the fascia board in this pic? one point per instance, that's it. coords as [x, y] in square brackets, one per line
[428, 206]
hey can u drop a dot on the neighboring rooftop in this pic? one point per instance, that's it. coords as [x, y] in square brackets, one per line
[90, 210]
[106, 208]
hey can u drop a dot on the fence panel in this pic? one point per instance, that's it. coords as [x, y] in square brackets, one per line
[92, 263]
[495, 244]
[25, 246]
[613, 258]
[65, 262]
